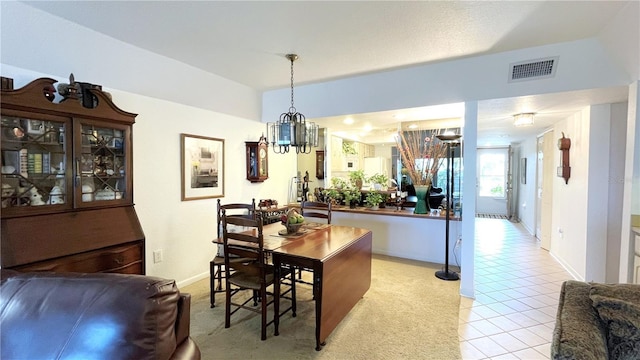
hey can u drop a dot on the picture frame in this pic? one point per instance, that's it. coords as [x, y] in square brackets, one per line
[523, 171]
[201, 167]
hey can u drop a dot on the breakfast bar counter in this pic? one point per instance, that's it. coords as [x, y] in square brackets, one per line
[404, 234]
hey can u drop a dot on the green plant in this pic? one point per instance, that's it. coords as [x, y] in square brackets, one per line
[357, 178]
[338, 183]
[374, 198]
[381, 179]
[350, 195]
[332, 195]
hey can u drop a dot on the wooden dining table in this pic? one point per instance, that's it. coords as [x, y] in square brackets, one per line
[340, 258]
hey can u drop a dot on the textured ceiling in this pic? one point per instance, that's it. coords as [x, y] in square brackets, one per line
[245, 41]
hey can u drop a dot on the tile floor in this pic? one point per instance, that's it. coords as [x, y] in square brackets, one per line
[517, 288]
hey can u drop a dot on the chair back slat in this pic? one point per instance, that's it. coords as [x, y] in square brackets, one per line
[318, 210]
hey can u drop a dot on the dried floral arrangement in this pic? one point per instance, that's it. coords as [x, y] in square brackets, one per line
[421, 144]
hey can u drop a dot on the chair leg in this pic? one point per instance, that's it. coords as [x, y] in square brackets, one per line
[293, 292]
[227, 313]
[212, 283]
[263, 295]
[220, 271]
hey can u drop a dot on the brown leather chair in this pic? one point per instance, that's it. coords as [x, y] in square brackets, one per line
[217, 271]
[45, 315]
[247, 269]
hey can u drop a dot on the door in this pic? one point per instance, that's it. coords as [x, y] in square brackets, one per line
[492, 175]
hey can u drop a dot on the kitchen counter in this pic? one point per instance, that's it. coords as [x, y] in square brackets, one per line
[391, 211]
[388, 211]
[402, 233]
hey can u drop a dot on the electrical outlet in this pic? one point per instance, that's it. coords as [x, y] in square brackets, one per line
[157, 256]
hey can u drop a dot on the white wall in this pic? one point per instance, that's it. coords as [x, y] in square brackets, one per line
[569, 226]
[597, 191]
[585, 223]
[476, 78]
[615, 188]
[526, 209]
[631, 208]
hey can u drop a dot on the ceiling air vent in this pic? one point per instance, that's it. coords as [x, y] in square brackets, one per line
[533, 69]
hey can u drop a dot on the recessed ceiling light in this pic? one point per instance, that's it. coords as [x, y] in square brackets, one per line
[367, 128]
[347, 121]
[413, 126]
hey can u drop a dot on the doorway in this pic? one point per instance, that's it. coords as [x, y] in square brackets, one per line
[492, 184]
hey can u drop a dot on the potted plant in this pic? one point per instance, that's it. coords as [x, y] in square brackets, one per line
[374, 199]
[332, 196]
[338, 183]
[357, 178]
[379, 181]
[351, 196]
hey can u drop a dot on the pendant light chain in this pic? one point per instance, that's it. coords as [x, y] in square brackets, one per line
[292, 109]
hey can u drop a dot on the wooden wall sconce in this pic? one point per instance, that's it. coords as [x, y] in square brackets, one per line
[564, 170]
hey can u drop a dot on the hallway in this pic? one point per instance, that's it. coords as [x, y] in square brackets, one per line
[517, 289]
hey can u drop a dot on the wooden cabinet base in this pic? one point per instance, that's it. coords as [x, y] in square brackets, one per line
[126, 259]
[102, 240]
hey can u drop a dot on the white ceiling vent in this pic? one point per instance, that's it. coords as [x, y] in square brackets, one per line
[533, 69]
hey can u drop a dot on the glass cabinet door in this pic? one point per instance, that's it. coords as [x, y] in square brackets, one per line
[102, 164]
[33, 165]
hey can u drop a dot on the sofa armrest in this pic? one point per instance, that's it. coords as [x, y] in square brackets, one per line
[183, 321]
[187, 350]
[578, 333]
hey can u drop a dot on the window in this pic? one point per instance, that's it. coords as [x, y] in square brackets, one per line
[492, 178]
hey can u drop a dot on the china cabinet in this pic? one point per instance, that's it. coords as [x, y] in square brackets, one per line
[257, 160]
[67, 185]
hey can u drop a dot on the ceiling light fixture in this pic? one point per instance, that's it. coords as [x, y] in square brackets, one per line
[292, 129]
[523, 119]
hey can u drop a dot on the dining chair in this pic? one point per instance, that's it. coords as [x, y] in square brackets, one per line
[315, 210]
[244, 257]
[217, 270]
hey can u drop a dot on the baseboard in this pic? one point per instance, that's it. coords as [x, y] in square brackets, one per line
[192, 279]
[568, 268]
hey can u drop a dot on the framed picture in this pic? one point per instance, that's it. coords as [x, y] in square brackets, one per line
[202, 167]
[523, 170]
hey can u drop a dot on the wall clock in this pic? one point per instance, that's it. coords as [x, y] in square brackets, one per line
[564, 170]
[257, 160]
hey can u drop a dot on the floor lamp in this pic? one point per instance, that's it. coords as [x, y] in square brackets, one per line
[449, 140]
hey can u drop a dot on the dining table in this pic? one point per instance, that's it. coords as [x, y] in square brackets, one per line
[340, 259]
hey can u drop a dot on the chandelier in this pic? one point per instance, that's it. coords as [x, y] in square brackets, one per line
[292, 130]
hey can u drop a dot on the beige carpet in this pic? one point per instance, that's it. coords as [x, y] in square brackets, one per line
[407, 314]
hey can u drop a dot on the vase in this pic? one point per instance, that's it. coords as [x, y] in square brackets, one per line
[422, 204]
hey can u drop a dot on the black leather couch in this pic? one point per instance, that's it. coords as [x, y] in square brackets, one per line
[93, 316]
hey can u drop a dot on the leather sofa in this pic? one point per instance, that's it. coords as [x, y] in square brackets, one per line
[47, 315]
[597, 321]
